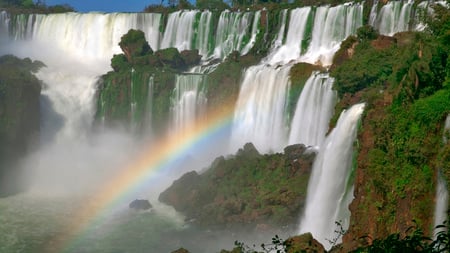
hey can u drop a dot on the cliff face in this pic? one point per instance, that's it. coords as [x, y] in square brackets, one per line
[401, 135]
[19, 116]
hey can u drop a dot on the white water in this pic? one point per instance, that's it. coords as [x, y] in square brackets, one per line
[441, 208]
[331, 26]
[204, 32]
[442, 194]
[235, 32]
[179, 30]
[314, 110]
[291, 48]
[393, 17]
[188, 102]
[95, 36]
[261, 114]
[329, 181]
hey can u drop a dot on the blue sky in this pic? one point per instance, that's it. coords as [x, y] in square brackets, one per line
[106, 5]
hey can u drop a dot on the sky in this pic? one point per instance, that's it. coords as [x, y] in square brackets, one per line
[106, 5]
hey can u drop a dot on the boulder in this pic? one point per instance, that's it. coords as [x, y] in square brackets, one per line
[303, 243]
[140, 204]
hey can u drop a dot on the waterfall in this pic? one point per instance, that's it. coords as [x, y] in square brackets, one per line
[442, 195]
[331, 26]
[149, 105]
[314, 110]
[235, 31]
[291, 48]
[440, 211]
[279, 40]
[329, 182]
[394, 17]
[179, 30]
[260, 115]
[87, 36]
[188, 102]
[204, 34]
[373, 13]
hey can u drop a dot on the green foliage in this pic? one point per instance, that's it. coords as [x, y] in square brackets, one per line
[414, 241]
[134, 44]
[366, 32]
[211, 4]
[119, 62]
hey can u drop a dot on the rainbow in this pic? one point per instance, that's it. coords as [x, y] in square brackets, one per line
[143, 169]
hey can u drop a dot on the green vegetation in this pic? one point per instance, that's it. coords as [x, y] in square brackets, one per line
[245, 190]
[30, 6]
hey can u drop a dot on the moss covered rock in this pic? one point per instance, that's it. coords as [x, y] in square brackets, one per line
[134, 44]
[248, 189]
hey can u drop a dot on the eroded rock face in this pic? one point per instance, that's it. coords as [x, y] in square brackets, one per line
[259, 191]
[19, 116]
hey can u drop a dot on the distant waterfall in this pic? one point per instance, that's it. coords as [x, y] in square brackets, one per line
[95, 36]
[203, 43]
[261, 114]
[86, 36]
[327, 187]
[331, 26]
[179, 30]
[295, 38]
[235, 32]
[188, 102]
[313, 112]
[393, 17]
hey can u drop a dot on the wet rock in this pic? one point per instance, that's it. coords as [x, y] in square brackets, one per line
[140, 204]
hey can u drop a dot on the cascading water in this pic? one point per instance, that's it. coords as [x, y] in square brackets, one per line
[393, 17]
[260, 115]
[314, 110]
[442, 194]
[179, 30]
[235, 32]
[329, 182]
[203, 43]
[295, 38]
[331, 26]
[189, 101]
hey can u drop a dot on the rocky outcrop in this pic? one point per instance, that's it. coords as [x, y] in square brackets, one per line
[19, 116]
[140, 204]
[303, 243]
[250, 189]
